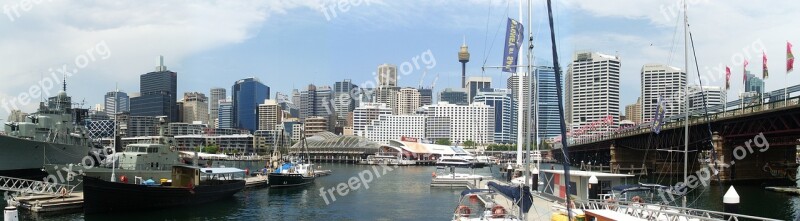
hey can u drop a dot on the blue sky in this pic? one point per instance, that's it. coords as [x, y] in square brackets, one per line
[290, 44]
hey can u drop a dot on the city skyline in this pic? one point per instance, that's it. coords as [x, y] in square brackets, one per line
[238, 51]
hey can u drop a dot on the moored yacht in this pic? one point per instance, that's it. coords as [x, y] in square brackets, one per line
[292, 174]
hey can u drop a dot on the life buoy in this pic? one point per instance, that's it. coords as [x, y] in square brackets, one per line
[63, 191]
[498, 211]
[463, 211]
[433, 174]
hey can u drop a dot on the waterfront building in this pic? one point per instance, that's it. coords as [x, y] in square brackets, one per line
[181, 128]
[474, 122]
[234, 143]
[365, 114]
[663, 81]
[505, 114]
[247, 94]
[315, 125]
[475, 85]
[393, 127]
[270, 115]
[407, 101]
[157, 94]
[217, 94]
[137, 126]
[195, 108]
[592, 92]
[116, 102]
[297, 132]
[457, 96]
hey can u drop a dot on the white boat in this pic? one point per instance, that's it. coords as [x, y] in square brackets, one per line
[388, 159]
[479, 200]
[456, 160]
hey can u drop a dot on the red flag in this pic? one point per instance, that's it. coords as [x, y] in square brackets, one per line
[744, 71]
[789, 58]
[766, 72]
[727, 78]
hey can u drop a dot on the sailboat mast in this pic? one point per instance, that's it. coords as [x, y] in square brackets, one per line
[563, 125]
[686, 97]
[520, 98]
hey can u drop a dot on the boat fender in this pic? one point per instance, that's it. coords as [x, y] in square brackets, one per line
[498, 211]
[123, 179]
[433, 174]
[463, 211]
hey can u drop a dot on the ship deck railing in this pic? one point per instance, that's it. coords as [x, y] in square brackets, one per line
[663, 212]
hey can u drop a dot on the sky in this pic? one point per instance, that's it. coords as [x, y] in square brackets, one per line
[288, 44]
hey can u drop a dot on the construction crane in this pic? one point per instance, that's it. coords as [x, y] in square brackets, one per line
[424, 72]
[434, 82]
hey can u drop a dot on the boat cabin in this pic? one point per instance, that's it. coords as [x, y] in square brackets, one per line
[588, 185]
[185, 176]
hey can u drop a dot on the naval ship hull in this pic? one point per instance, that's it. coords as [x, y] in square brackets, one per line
[23, 158]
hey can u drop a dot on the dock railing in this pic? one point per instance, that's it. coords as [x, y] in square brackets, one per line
[34, 187]
[662, 212]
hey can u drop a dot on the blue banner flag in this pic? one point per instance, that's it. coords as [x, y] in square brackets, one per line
[514, 36]
[658, 119]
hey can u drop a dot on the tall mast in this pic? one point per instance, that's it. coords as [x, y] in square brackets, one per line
[686, 96]
[520, 108]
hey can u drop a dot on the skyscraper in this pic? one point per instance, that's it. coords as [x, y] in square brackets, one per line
[366, 113]
[225, 118]
[407, 101]
[663, 81]
[195, 108]
[343, 102]
[455, 96]
[116, 102]
[158, 91]
[475, 85]
[217, 94]
[247, 94]
[592, 85]
[548, 117]
[387, 75]
[425, 96]
[713, 95]
[505, 114]
[316, 102]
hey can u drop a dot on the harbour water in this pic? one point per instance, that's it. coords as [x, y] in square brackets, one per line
[400, 194]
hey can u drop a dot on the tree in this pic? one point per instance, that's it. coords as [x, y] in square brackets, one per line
[444, 141]
[469, 144]
[212, 149]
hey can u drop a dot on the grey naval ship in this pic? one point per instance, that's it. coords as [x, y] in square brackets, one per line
[55, 134]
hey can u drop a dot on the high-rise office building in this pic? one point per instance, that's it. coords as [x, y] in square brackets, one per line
[116, 102]
[407, 101]
[457, 96]
[662, 81]
[217, 94]
[316, 102]
[713, 96]
[475, 85]
[592, 84]
[387, 95]
[394, 127]
[633, 112]
[425, 96]
[343, 101]
[195, 108]
[225, 117]
[387, 75]
[754, 84]
[505, 114]
[247, 94]
[547, 115]
[158, 94]
[269, 115]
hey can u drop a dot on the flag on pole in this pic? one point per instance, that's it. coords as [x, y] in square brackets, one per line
[766, 72]
[727, 78]
[658, 119]
[514, 37]
[789, 58]
[744, 71]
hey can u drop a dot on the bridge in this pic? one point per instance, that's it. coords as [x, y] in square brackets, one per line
[736, 130]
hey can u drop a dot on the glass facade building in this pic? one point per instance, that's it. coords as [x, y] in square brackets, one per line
[248, 93]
